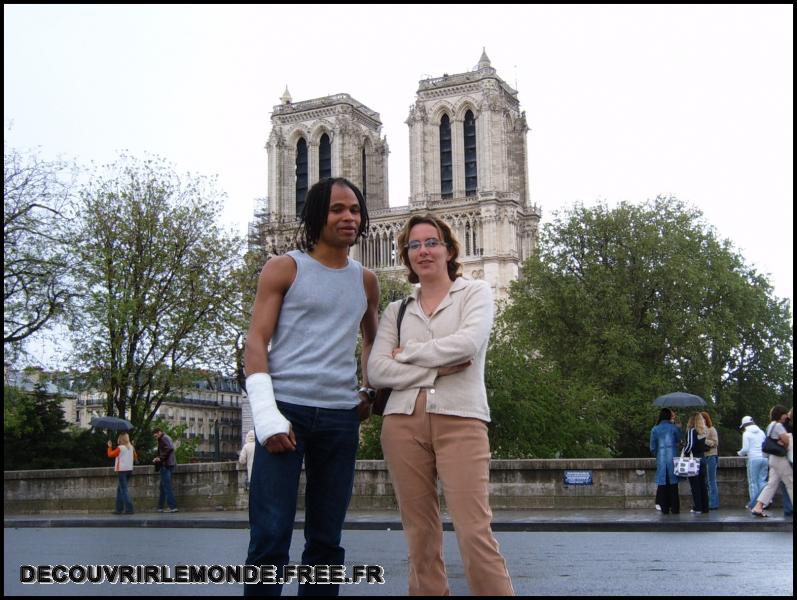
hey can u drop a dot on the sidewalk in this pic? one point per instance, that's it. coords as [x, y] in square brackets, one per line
[503, 520]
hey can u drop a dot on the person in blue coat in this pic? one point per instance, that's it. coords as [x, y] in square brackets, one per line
[664, 440]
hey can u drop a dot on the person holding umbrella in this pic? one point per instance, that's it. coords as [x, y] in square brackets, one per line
[124, 454]
[695, 443]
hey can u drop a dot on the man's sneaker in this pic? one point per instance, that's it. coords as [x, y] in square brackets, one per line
[172, 510]
[160, 510]
[658, 507]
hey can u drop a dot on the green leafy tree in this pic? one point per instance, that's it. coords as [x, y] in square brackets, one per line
[535, 411]
[36, 435]
[36, 288]
[185, 447]
[239, 307]
[642, 300]
[153, 269]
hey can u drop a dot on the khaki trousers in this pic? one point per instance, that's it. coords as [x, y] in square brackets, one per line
[419, 449]
[779, 470]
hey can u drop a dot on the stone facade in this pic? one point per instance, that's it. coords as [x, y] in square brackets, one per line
[485, 196]
[353, 130]
[210, 410]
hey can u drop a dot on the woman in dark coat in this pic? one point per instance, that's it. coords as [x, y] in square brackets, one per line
[664, 439]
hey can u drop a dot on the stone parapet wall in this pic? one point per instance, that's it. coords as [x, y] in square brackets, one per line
[514, 484]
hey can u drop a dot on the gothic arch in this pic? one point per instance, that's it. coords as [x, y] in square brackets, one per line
[464, 105]
[295, 133]
[319, 129]
[440, 109]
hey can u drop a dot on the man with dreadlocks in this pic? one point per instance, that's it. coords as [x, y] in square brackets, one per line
[303, 390]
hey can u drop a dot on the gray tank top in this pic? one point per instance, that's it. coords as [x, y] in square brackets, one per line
[311, 359]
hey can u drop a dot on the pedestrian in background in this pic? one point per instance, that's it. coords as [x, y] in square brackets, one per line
[166, 461]
[779, 467]
[696, 445]
[124, 454]
[712, 459]
[247, 455]
[664, 440]
[788, 507]
[757, 463]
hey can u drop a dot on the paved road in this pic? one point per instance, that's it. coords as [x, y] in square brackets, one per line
[541, 563]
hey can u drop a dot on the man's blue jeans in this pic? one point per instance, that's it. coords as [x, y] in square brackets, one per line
[711, 482]
[166, 488]
[327, 441]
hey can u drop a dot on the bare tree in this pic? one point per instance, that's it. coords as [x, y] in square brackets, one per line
[36, 289]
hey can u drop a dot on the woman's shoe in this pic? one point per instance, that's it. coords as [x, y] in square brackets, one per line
[759, 514]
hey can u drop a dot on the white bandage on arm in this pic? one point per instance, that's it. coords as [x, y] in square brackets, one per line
[267, 418]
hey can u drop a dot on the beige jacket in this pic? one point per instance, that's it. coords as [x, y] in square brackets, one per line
[457, 331]
[247, 455]
[712, 441]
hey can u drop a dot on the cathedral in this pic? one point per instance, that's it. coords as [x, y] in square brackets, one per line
[468, 165]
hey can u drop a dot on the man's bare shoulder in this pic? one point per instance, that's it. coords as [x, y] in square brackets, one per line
[279, 272]
[369, 277]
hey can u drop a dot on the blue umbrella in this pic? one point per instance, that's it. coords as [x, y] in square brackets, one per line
[678, 400]
[111, 423]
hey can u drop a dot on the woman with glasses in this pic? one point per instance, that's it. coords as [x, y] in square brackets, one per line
[435, 424]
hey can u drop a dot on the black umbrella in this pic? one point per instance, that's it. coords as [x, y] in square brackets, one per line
[678, 400]
[111, 423]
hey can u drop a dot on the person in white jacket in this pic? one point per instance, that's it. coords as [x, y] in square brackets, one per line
[247, 455]
[125, 455]
[757, 462]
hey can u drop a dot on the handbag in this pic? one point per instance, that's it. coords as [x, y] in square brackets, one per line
[383, 394]
[771, 446]
[686, 466]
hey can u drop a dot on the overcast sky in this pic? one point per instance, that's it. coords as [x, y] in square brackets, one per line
[623, 102]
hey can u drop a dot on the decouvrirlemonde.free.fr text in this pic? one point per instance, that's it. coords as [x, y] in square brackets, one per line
[251, 574]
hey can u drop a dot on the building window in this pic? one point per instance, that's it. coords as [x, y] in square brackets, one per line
[446, 170]
[324, 157]
[364, 176]
[470, 154]
[301, 175]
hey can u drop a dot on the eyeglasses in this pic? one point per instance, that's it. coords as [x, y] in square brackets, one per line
[429, 244]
